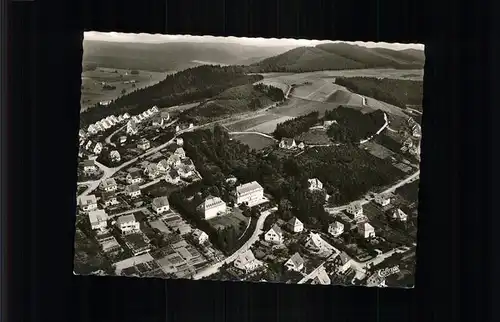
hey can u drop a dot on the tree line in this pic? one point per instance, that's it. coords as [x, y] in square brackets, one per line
[296, 126]
[352, 125]
[398, 92]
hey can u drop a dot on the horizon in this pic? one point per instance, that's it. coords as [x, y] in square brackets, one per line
[246, 41]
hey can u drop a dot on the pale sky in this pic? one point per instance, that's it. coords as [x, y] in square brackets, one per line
[159, 38]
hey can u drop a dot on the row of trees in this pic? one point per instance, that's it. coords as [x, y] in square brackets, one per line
[352, 125]
[296, 126]
[399, 92]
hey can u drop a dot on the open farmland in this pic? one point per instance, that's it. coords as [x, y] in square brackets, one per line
[270, 126]
[254, 141]
[251, 122]
[377, 150]
[93, 81]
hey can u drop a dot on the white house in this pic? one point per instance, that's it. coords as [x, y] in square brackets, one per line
[97, 148]
[127, 224]
[89, 166]
[177, 128]
[315, 184]
[295, 225]
[314, 242]
[355, 209]
[382, 200]
[98, 219]
[123, 139]
[108, 185]
[212, 207]
[109, 199]
[158, 121]
[321, 277]
[180, 152]
[180, 141]
[152, 171]
[247, 262]
[132, 128]
[366, 230]
[160, 205]
[92, 129]
[287, 143]
[336, 228]
[295, 263]
[115, 156]
[126, 116]
[274, 235]
[250, 193]
[399, 214]
[327, 124]
[134, 177]
[174, 160]
[163, 166]
[81, 133]
[301, 145]
[88, 203]
[200, 236]
[133, 191]
[172, 176]
[143, 144]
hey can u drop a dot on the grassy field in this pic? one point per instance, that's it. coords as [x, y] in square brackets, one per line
[270, 126]
[377, 150]
[417, 74]
[251, 122]
[92, 84]
[235, 219]
[314, 137]
[254, 141]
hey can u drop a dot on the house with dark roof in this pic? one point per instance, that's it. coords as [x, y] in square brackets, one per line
[295, 263]
[295, 225]
[133, 191]
[274, 235]
[172, 176]
[134, 177]
[163, 166]
[160, 205]
[109, 198]
[89, 166]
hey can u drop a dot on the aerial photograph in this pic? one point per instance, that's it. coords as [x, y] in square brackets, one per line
[249, 159]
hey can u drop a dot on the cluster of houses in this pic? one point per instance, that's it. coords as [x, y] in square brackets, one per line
[105, 124]
[411, 147]
[91, 147]
[250, 194]
[290, 144]
[132, 124]
[416, 130]
[174, 167]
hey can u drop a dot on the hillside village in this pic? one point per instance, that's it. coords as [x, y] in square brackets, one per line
[139, 232]
[171, 186]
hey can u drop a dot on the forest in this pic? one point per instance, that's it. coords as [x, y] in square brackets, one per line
[398, 92]
[187, 86]
[238, 99]
[296, 126]
[347, 173]
[352, 125]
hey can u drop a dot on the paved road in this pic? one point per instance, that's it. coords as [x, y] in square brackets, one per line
[401, 183]
[108, 139]
[215, 267]
[128, 212]
[254, 132]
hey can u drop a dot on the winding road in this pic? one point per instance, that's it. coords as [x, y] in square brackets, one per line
[215, 267]
[364, 201]
[254, 132]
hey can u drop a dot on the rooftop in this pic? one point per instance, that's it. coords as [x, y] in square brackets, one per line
[125, 219]
[133, 188]
[248, 187]
[160, 202]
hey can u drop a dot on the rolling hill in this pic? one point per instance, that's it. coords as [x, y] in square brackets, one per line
[172, 56]
[339, 56]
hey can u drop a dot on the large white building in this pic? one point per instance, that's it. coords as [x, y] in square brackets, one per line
[366, 230]
[98, 219]
[315, 184]
[127, 224]
[250, 193]
[212, 207]
[160, 205]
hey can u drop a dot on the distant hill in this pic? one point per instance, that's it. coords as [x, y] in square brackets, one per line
[170, 56]
[190, 85]
[338, 56]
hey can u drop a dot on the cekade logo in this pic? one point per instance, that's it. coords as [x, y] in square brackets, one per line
[388, 271]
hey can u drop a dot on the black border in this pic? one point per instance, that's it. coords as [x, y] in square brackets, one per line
[43, 123]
